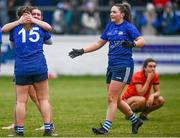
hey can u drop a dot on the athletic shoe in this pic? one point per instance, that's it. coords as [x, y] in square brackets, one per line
[8, 127]
[50, 133]
[136, 126]
[143, 117]
[100, 131]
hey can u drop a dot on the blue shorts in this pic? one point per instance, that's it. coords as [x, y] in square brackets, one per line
[121, 74]
[30, 79]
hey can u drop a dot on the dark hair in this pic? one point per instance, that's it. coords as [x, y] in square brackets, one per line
[126, 9]
[23, 9]
[147, 61]
[34, 8]
[20, 11]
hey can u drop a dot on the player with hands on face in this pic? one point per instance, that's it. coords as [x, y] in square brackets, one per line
[36, 17]
[30, 67]
[138, 94]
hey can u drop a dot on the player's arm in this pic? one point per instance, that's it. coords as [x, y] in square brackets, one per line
[9, 26]
[93, 47]
[142, 89]
[151, 98]
[40, 23]
[139, 42]
[156, 88]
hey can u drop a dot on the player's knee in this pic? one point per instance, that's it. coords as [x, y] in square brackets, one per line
[142, 100]
[112, 99]
[21, 100]
[161, 100]
[20, 103]
[139, 104]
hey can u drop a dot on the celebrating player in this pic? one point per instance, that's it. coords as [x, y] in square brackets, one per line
[30, 69]
[36, 18]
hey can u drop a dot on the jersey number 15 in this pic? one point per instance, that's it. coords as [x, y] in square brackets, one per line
[32, 32]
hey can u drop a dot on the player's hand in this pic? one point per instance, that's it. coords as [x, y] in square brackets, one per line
[76, 52]
[150, 101]
[156, 94]
[150, 75]
[25, 18]
[127, 44]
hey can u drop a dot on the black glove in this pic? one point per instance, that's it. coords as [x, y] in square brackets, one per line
[76, 52]
[127, 44]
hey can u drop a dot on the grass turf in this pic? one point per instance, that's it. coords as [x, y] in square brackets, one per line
[79, 103]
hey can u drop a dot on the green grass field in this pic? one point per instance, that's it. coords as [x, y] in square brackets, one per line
[79, 103]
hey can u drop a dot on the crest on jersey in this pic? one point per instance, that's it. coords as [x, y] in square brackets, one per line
[120, 33]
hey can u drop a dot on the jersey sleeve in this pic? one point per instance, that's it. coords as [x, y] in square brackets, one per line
[104, 34]
[137, 79]
[47, 35]
[133, 32]
[156, 79]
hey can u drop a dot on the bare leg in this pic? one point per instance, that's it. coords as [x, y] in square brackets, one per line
[21, 100]
[43, 98]
[33, 96]
[136, 103]
[158, 103]
[115, 88]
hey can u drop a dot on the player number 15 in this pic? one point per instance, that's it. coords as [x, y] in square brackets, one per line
[32, 32]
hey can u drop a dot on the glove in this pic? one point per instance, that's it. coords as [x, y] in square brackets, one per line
[127, 44]
[76, 52]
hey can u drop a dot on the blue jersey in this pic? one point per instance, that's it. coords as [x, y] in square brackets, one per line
[116, 34]
[28, 45]
[0, 36]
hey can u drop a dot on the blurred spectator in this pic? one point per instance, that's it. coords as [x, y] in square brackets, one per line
[176, 3]
[58, 23]
[176, 6]
[62, 18]
[168, 23]
[138, 17]
[75, 25]
[3, 12]
[12, 4]
[90, 19]
[104, 14]
[160, 2]
[150, 16]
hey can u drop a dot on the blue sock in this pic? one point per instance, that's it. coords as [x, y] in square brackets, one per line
[133, 118]
[19, 129]
[47, 126]
[107, 124]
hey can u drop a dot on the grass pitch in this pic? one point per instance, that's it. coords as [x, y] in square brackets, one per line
[79, 103]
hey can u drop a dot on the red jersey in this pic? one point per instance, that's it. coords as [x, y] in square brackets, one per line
[139, 78]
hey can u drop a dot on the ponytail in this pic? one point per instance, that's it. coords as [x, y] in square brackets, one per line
[126, 9]
[127, 13]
